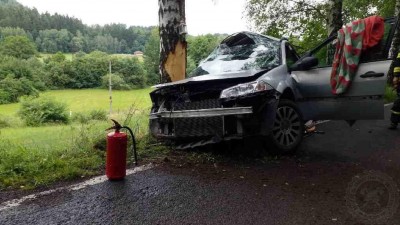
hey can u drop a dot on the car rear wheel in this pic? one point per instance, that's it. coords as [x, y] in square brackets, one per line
[288, 129]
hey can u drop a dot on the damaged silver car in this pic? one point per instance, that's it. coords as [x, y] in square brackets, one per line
[256, 85]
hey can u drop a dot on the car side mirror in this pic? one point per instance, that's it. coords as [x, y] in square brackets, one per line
[305, 63]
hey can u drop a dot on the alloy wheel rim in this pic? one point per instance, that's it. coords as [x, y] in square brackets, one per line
[286, 129]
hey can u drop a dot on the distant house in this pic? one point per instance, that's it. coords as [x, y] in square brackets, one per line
[138, 53]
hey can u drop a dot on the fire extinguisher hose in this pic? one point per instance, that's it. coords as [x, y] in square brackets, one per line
[133, 144]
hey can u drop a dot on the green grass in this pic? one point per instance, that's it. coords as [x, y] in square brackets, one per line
[37, 156]
[32, 157]
[390, 94]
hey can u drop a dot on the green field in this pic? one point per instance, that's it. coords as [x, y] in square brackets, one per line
[36, 156]
[70, 56]
[89, 99]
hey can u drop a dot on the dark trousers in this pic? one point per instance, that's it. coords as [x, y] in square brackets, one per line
[395, 117]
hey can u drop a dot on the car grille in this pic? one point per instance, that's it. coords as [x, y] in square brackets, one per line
[202, 104]
[196, 127]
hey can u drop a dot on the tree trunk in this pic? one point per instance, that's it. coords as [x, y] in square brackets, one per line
[395, 43]
[335, 21]
[172, 40]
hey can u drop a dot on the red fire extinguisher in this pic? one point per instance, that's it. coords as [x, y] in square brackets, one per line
[117, 143]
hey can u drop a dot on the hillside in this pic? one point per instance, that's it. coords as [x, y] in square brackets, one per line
[53, 33]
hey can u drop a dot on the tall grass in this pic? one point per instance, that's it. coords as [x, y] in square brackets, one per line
[36, 156]
[390, 94]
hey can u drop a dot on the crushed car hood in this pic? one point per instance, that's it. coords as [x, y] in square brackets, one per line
[210, 77]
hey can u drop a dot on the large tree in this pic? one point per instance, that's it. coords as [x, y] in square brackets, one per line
[335, 21]
[311, 20]
[283, 17]
[152, 57]
[395, 43]
[173, 44]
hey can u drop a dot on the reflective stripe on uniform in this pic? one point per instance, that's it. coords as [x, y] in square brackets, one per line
[396, 70]
[398, 55]
[394, 112]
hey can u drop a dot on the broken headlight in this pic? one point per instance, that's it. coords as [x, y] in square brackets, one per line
[245, 89]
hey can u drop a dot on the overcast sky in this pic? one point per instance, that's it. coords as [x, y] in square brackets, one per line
[202, 16]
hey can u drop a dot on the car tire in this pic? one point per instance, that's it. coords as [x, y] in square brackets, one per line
[288, 128]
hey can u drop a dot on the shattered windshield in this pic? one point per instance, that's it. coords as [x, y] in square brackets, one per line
[239, 52]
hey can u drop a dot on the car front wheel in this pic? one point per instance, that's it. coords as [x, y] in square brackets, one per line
[288, 129]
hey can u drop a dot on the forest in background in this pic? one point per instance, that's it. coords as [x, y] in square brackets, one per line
[25, 35]
[54, 33]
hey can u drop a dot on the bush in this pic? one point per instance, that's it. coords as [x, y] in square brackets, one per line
[11, 89]
[18, 46]
[130, 70]
[117, 82]
[35, 112]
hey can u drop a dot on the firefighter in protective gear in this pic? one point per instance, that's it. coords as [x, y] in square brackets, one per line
[395, 117]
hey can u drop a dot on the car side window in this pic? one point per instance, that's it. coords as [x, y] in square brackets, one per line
[381, 50]
[325, 54]
[291, 55]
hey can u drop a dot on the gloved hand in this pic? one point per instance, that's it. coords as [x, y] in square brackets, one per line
[395, 82]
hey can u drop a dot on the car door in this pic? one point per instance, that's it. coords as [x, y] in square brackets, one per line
[363, 100]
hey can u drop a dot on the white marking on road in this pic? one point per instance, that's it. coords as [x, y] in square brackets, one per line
[96, 180]
[321, 121]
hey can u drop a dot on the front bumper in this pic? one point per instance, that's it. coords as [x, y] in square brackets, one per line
[202, 113]
[250, 115]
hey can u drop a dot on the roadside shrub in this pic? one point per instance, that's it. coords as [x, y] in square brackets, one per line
[35, 112]
[4, 122]
[80, 117]
[390, 94]
[85, 117]
[98, 114]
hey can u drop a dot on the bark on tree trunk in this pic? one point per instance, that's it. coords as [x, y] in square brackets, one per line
[172, 42]
[395, 43]
[335, 21]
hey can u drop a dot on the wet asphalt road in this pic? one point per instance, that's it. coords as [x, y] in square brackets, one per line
[308, 188]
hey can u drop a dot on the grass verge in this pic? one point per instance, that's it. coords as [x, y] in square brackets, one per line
[390, 94]
[36, 156]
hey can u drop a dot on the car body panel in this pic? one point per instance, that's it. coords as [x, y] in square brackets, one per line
[364, 100]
